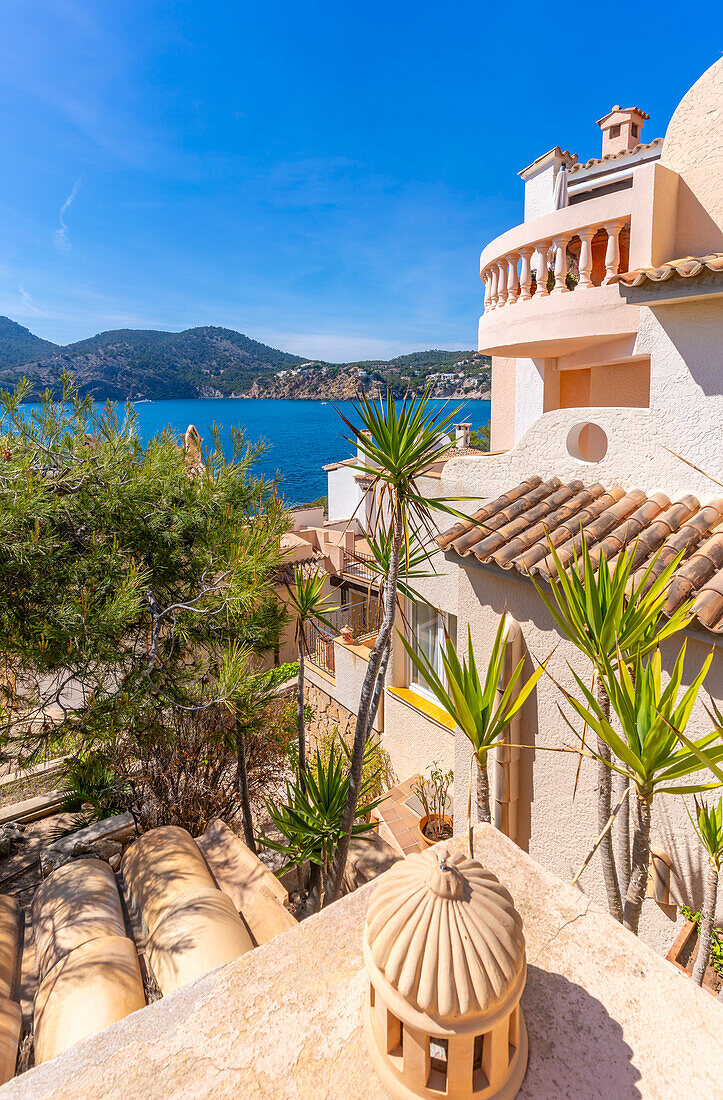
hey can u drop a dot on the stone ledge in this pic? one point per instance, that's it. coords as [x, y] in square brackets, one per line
[606, 1016]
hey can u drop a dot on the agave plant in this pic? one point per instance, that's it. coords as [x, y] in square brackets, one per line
[307, 599]
[399, 443]
[603, 614]
[481, 710]
[652, 750]
[708, 824]
[310, 820]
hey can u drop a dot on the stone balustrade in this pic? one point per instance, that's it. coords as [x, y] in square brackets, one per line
[599, 251]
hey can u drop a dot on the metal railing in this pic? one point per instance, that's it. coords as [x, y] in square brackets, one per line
[358, 565]
[362, 617]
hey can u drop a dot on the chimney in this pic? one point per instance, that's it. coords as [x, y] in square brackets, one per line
[462, 431]
[621, 129]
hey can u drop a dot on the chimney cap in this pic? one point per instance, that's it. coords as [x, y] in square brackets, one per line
[625, 113]
[443, 934]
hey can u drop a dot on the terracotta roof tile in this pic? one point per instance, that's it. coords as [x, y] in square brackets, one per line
[687, 267]
[512, 530]
[614, 156]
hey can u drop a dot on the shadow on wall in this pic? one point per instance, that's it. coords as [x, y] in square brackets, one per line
[694, 330]
[602, 1061]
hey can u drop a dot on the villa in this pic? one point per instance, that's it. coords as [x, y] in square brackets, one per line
[604, 319]
[486, 966]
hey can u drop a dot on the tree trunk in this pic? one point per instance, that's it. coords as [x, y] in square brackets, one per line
[483, 792]
[371, 691]
[641, 860]
[707, 917]
[243, 790]
[622, 834]
[604, 809]
[300, 712]
[313, 901]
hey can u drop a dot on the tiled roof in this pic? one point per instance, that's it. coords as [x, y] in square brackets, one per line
[512, 530]
[686, 267]
[614, 156]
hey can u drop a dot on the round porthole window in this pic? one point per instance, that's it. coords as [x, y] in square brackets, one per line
[587, 442]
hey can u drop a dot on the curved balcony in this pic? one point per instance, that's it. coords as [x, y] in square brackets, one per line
[547, 281]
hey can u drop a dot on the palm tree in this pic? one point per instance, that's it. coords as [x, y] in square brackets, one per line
[709, 827]
[603, 613]
[308, 601]
[649, 750]
[399, 445]
[478, 709]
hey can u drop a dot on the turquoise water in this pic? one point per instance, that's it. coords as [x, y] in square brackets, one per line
[302, 436]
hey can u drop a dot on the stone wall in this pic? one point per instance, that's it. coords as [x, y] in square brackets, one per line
[328, 713]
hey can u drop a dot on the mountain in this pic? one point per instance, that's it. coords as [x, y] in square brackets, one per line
[18, 345]
[216, 362]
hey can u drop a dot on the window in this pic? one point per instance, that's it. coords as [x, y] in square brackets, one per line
[634, 130]
[428, 629]
[614, 131]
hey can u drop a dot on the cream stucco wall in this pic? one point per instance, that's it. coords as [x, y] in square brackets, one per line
[556, 826]
[694, 149]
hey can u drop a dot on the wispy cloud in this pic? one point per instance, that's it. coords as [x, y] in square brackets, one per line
[27, 301]
[61, 238]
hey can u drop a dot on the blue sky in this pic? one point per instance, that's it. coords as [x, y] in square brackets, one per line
[319, 176]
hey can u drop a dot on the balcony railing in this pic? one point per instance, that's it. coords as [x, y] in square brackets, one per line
[362, 618]
[598, 251]
[359, 565]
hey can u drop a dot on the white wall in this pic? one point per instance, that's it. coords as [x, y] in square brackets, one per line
[344, 493]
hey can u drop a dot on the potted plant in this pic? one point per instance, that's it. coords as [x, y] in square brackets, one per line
[684, 952]
[434, 824]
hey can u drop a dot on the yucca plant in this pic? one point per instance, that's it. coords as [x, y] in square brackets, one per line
[399, 443]
[653, 751]
[603, 613]
[481, 710]
[310, 820]
[308, 602]
[708, 824]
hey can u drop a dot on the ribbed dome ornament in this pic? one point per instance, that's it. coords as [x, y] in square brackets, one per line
[445, 954]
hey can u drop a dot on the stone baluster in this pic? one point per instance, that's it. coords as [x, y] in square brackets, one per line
[513, 284]
[501, 266]
[525, 273]
[485, 276]
[541, 250]
[585, 264]
[492, 277]
[560, 245]
[612, 253]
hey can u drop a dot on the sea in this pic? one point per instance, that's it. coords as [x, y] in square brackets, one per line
[301, 437]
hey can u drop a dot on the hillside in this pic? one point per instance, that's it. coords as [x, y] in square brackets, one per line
[218, 362]
[18, 345]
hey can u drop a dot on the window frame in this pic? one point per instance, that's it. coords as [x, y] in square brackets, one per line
[444, 619]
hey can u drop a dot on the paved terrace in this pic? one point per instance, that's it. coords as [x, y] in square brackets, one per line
[606, 1016]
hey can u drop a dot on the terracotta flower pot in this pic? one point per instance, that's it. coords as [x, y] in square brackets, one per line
[426, 842]
[682, 950]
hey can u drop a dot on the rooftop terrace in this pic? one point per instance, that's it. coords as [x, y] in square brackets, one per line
[606, 1016]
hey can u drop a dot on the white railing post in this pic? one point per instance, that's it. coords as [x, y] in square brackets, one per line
[541, 250]
[525, 273]
[501, 282]
[512, 283]
[560, 245]
[586, 236]
[492, 275]
[612, 253]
